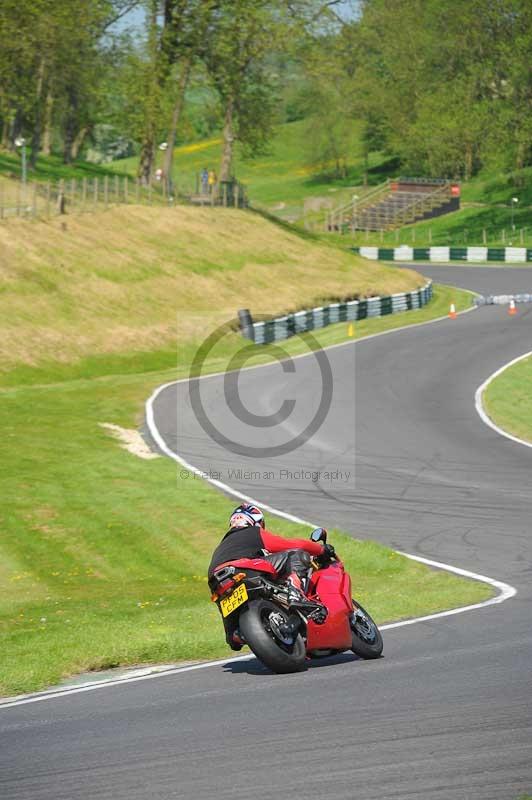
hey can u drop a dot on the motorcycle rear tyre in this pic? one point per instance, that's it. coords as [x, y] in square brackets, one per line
[361, 647]
[278, 658]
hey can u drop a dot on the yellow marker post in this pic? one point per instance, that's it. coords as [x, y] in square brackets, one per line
[350, 329]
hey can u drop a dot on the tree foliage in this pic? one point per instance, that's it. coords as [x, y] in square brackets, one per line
[449, 82]
[446, 87]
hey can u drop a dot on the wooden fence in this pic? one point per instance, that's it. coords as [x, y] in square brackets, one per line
[77, 195]
[18, 199]
[517, 236]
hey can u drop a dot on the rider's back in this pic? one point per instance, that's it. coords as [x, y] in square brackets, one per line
[238, 543]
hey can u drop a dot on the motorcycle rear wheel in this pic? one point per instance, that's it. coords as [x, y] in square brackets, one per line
[255, 628]
[366, 637]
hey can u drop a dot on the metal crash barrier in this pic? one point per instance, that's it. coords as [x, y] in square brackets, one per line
[274, 330]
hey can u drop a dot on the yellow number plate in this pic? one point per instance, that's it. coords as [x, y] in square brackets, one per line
[239, 596]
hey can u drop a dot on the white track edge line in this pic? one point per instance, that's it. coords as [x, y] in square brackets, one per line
[90, 687]
[479, 405]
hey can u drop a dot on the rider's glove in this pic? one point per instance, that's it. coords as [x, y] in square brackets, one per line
[329, 552]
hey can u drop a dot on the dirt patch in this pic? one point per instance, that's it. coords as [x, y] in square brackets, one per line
[131, 440]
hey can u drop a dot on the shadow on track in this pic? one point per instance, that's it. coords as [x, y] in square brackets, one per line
[255, 667]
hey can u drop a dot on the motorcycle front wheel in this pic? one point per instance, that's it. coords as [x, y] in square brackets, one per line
[366, 637]
[259, 624]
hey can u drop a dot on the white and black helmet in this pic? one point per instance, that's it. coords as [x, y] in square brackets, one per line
[246, 516]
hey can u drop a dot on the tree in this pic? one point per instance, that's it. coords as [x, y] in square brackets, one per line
[149, 80]
[183, 42]
[51, 56]
[443, 80]
[238, 39]
[171, 48]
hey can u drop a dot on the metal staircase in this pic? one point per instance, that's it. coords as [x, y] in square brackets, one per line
[396, 203]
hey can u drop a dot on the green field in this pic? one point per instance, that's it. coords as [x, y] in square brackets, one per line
[508, 400]
[280, 180]
[103, 553]
[52, 168]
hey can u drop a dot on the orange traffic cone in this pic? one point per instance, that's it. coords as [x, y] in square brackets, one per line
[511, 308]
[452, 311]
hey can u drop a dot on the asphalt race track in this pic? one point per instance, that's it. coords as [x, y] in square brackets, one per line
[402, 457]
[484, 280]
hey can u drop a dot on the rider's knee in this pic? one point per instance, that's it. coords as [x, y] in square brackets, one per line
[299, 560]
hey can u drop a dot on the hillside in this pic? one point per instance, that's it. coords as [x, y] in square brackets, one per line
[278, 180]
[281, 179]
[113, 282]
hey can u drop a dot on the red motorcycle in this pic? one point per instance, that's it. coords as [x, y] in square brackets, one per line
[282, 633]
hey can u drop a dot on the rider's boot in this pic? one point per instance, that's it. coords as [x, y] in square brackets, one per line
[234, 639]
[312, 609]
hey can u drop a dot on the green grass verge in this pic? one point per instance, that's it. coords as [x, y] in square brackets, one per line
[103, 555]
[508, 400]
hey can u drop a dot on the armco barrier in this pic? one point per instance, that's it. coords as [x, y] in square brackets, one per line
[273, 330]
[509, 255]
[502, 299]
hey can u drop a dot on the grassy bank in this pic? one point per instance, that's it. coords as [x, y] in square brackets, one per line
[136, 279]
[508, 400]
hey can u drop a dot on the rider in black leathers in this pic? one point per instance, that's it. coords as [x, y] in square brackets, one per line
[247, 538]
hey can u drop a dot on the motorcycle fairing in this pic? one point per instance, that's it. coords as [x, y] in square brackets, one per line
[333, 587]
